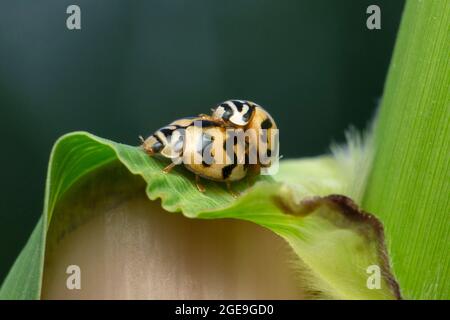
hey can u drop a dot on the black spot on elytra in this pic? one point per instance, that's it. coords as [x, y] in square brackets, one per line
[206, 150]
[266, 124]
[206, 140]
[227, 170]
[232, 139]
[205, 164]
[207, 123]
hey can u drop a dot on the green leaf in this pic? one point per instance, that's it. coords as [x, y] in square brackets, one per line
[409, 187]
[329, 234]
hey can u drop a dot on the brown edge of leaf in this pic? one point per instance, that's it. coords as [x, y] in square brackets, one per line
[350, 210]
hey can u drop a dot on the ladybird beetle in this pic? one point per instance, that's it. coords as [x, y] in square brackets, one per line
[249, 115]
[209, 146]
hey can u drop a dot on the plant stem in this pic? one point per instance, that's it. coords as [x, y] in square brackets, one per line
[409, 186]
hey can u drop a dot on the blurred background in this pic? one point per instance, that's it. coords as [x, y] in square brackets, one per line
[137, 65]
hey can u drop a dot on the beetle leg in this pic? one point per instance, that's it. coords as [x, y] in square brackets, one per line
[169, 167]
[142, 139]
[231, 191]
[200, 187]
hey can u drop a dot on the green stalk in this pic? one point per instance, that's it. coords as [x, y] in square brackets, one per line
[409, 186]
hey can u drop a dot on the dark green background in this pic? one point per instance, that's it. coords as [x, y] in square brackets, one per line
[136, 65]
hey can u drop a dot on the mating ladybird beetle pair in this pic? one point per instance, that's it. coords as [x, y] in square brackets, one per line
[237, 138]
